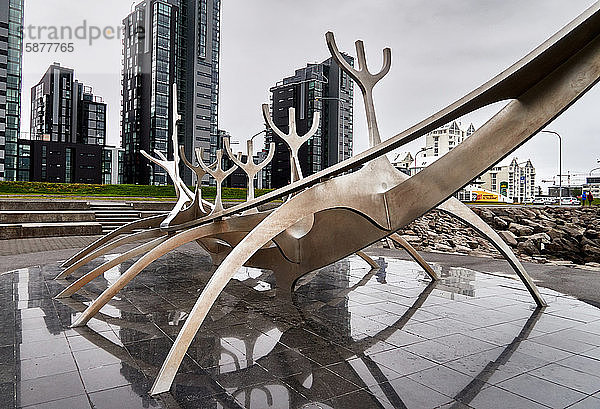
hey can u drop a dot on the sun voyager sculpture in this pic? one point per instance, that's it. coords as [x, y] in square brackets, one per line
[335, 213]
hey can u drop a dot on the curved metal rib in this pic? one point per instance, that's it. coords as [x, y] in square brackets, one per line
[74, 287]
[148, 222]
[368, 259]
[415, 255]
[132, 238]
[462, 212]
[172, 243]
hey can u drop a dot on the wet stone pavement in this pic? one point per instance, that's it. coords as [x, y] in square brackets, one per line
[347, 338]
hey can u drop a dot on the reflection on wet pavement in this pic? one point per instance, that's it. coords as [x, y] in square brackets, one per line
[350, 337]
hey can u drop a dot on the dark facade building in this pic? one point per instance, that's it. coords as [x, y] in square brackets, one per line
[11, 52]
[68, 131]
[323, 88]
[64, 162]
[65, 110]
[169, 42]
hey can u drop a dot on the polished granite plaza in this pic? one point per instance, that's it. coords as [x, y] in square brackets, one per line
[349, 337]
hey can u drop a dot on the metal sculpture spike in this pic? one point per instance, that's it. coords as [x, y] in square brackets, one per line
[365, 80]
[292, 139]
[184, 195]
[215, 169]
[333, 214]
[249, 167]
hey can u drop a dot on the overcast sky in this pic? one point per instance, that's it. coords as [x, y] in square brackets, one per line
[441, 50]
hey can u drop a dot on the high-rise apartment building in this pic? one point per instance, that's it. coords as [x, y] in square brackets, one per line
[438, 143]
[322, 88]
[11, 51]
[169, 42]
[65, 110]
[68, 131]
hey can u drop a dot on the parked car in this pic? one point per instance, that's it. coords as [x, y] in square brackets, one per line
[543, 200]
[569, 201]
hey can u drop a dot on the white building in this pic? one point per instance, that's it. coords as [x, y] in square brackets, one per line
[112, 165]
[438, 143]
[442, 140]
[516, 180]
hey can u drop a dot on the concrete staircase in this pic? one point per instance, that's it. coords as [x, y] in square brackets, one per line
[113, 215]
[51, 218]
[27, 219]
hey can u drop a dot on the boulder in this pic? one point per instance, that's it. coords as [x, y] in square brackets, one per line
[572, 231]
[410, 238]
[472, 244]
[508, 237]
[443, 247]
[591, 253]
[520, 230]
[537, 228]
[541, 238]
[529, 247]
[486, 215]
[500, 223]
[555, 234]
[463, 249]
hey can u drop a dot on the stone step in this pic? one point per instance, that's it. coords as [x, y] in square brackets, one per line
[27, 219]
[31, 230]
[38, 216]
[135, 215]
[46, 205]
[101, 205]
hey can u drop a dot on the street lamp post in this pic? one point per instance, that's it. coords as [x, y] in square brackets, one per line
[595, 169]
[416, 154]
[559, 165]
[256, 134]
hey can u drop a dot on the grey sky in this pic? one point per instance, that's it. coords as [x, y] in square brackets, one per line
[441, 49]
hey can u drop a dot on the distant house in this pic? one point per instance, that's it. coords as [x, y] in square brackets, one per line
[403, 161]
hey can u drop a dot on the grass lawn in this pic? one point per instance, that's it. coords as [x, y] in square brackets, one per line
[89, 190]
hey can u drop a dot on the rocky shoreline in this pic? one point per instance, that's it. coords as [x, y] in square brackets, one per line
[539, 234]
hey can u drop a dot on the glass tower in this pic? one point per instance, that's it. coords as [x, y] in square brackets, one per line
[322, 88]
[169, 42]
[11, 51]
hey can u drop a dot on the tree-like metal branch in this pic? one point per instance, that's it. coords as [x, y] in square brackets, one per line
[249, 167]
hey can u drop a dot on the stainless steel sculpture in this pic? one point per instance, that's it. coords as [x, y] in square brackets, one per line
[330, 215]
